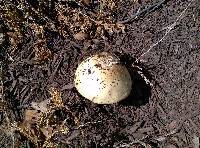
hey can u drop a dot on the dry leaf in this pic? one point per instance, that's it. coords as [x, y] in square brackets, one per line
[47, 131]
[56, 97]
[80, 36]
[42, 106]
[42, 53]
[87, 2]
[32, 116]
[15, 37]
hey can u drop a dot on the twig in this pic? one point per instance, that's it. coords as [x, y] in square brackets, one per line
[139, 13]
[87, 124]
[137, 141]
[168, 29]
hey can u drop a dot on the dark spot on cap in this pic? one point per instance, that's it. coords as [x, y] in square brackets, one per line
[89, 71]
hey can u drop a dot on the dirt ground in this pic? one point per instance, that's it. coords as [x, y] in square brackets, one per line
[166, 114]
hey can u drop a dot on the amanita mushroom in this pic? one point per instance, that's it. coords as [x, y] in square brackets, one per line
[102, 79]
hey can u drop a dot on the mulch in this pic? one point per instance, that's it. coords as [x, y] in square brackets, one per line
[166, 114]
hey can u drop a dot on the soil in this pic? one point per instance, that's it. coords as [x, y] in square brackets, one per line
[165, 113]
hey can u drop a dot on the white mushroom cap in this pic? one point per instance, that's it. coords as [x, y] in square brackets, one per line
[103, 79]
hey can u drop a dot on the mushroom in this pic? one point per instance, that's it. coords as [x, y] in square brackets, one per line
[103, 79]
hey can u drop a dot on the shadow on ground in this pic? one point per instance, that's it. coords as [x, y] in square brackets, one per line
[141, 91]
